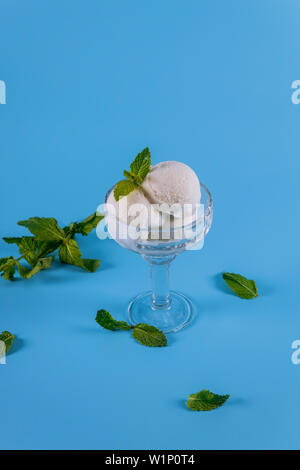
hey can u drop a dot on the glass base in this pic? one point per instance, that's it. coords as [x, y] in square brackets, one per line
[176, 316]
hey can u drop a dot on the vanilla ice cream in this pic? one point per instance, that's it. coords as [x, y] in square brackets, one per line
[172, 183]
[168, 188]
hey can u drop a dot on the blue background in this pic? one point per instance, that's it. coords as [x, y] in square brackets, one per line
[89, 84]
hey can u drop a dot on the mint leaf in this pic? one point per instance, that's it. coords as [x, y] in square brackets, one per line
[31, 250]
[45, 229]
[241, 286]
[128, 175]
[24, 272]
[31, 244]
[27, 247]
[87, 225]
[7, 338]
[146, 334]
[48, 237]
[42, 263]
[139, 169]
[141, 165]
[3, 261]
[123, 188]
[46, 248]
[12, 240]
[105, 319]
[149, 335]
[8, 266]
[34, 253]
[90, 265]
[45, 263]
[69, 253]
[205, 401]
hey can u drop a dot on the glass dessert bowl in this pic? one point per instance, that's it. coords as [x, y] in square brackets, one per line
[169, 311]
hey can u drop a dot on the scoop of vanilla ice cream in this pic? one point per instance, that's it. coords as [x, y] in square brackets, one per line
[172, 183]
[167, 184]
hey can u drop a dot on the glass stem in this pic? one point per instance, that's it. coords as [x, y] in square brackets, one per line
[160, 281]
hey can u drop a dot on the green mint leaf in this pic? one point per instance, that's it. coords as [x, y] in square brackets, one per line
[139, 169]
[43, 248]
[27, 247]
[205, 401]
[7, 267]
[3, 262]
[48, 237]
[105, 319]
[128, 175]
[69, 253]
[123, 188]
[34, 252]
[7, 338]
[12, 240]
[24, 272]
[46, 248]
[45, 263]
[42, 263]
[141, 165]
[149, 335]
[90, 265]
[241, 286]
[87, 225]
[44, 229]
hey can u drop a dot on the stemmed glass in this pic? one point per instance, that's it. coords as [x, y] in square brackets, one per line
[169, 311]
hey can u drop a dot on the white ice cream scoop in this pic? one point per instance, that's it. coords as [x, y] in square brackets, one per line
[172, 183]
[170, 188]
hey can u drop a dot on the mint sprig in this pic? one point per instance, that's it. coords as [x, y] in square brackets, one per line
[147, 335]
[241, 286]
[205, 401]
[139, 169]
[106, 320]
[48, 237]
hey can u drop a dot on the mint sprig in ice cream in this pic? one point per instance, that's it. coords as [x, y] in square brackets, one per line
[167, 197]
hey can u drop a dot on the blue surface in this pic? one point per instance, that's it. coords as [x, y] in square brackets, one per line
[89, 84]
